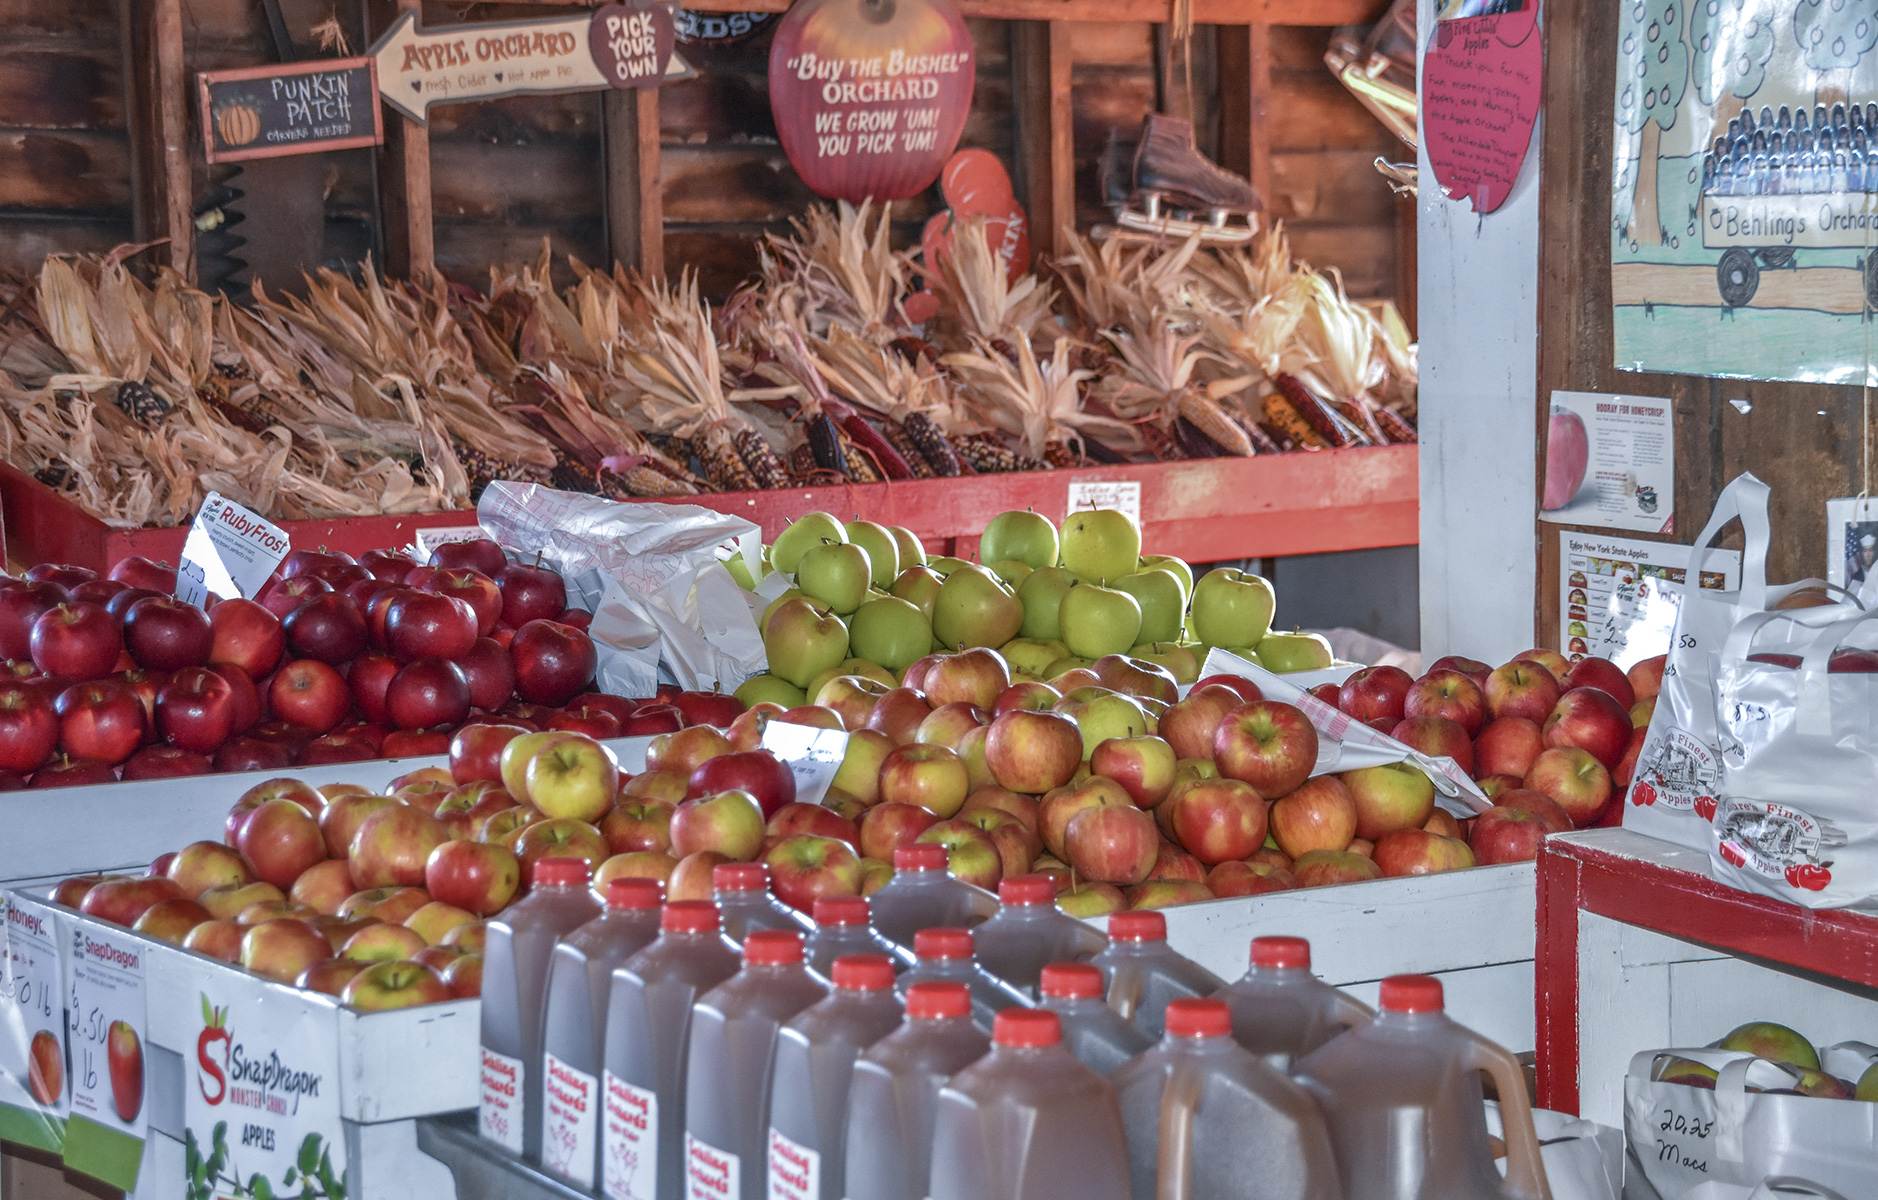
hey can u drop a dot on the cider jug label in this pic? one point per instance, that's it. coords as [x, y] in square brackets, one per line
[499, 1117]
[630, 1162]
[710, 1173]
[795, 1171]
[569, 1120]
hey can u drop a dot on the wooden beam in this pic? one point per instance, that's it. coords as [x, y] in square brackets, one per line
[1205, 12]
[1040, 99]
[635, 204]
[1245, 78]
[157, 87]
[410, 242]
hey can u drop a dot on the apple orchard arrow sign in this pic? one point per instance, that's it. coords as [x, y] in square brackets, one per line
[454, 64]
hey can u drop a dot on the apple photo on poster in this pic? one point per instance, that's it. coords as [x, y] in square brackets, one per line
[1609, 463]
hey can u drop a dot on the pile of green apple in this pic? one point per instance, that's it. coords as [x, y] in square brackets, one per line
[867, 600]
[1776, 1043]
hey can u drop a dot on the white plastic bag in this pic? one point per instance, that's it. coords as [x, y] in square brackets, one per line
[653, 576]
[1583, 1159]
[1799, 756]
[1783, 1188]
[1678, 1136]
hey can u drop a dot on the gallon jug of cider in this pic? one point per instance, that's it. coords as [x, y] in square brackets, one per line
[1029, 931]
[841, 929]
[744, 902]
[1280, 1011]
[922, 895]
[894, 1096]
[1142, 973]
[1094, 1032]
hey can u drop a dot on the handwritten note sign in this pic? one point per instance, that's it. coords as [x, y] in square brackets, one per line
[299, 108]
[1480, 98]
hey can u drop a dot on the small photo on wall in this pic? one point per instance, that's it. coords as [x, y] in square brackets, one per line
[1851, 541]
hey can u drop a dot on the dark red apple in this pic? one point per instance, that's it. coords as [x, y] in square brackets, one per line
[430, 691]
[1375, 692]
[578, 618]
[378, 611]
[99, 592]
[1603, 674]
[20, 606]
[29, 727]
[387, 564]
[341, 576]
[491, 674]
[101, 720]
[139, 572]
[167, 635]
[337, 748]
[120, 602]
[478, 554]
[595, 723]
[309, 562]
[196, 710]
[76, 641]
[328, 627]
[530, 594]
[283, 596]
[247, 697]
[650, 719]
[416, 743]
[476, 751]
[72, 772]
[368, 677]
[757, 772]
[709, 708]
[247, 635]
[552, 662]
[64, 575]
[311, 694]
[165, 762]
[146, 685]
[253, 754]
[361, 591]
[429, 625]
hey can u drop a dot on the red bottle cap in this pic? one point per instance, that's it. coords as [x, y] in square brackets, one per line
[938, 1000]
[689, 916]
[1412, 993]
[1198, 1018]
[1281, 952]
[635, 894]
[1027, 889]
[739, 877]
[920, 856]
[772, 948]
[840, 910]
[942, 943]
[560, 872]
[863, 972]
[1027, 1027]
[1138, 925]
[1071, 981]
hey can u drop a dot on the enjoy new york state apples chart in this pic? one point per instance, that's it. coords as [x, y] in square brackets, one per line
[1746, 257]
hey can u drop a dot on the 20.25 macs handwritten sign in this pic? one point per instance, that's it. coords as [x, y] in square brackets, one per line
[297, 108]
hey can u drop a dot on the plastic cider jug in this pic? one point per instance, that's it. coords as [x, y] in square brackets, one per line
[1029, 931]
[808, 1098]
[841, 929]
[733, 1055]
[1143, 973]
[744, 902]
[922, 895]
[894, 1095]
[1028, 1122]
[1208, 1120]
[1402, 1099]
[945, 956]
[1095, 1033]
[1280, 1011]
[573, 1037]
[515, 982]
[648, 1037]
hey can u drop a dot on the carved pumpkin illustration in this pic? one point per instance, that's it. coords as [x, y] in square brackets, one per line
[238, 124]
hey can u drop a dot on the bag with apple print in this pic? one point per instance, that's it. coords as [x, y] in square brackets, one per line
[1712, 1128]
[1673, 789]
[1799, 756]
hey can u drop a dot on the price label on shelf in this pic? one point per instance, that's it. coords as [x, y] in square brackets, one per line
[230, 551]
[34, 1098]
[105, 1014]
[1123, 495]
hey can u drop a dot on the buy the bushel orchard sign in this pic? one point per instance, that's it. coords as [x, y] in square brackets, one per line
[870, 96]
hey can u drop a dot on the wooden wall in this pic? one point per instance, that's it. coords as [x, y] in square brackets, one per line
[507, 173]
[1803, 439]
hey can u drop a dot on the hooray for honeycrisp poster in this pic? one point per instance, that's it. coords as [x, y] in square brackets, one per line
[1744, 205]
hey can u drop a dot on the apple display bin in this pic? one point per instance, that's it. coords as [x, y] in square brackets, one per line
[56, 832]
[1202, 510]
[1640, 949]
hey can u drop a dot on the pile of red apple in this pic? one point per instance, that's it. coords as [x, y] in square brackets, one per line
[1553, 743]
[333, 661]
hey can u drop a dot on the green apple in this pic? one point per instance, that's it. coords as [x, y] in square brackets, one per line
[883, 552]
[803, 639]
[1102, 544]
[764, 686]
[1162, 603]
[945, 564]
[835, 573]
[892, 632]
[1042, 594]
[740, 571]
[1104, 716]
[1069, 662]
[1232, 607]
[806, 531]
[912, 551]
[918, 586]
[1026, 536]
[778, 602]
[975, 608]
[1177, 658]
[1010, 571]
[1030, 656]
[860, 667]
[1098, 620]
[1280, 653]
[1167, 562]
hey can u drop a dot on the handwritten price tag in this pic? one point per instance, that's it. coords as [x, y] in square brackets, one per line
[814, 755]
[443, 535]
[230, 551]
[1121, 495]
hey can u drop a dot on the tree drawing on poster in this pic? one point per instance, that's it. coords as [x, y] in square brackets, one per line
[1744, 214]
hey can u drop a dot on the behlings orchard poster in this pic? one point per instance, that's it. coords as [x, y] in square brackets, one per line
[1745, 188]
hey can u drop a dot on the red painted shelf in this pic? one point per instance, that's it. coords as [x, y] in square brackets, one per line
[1205, 510]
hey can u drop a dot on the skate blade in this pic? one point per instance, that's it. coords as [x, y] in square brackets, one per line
[1178, 228]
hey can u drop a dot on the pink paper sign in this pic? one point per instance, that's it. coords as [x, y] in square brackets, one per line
[1480, 98]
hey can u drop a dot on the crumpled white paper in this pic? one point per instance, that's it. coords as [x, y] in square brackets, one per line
[663, 604]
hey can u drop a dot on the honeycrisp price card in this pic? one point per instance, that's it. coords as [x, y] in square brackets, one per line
[34, 1099]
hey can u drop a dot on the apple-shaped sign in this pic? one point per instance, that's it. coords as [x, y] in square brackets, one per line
[1480, 99]
[632, 43]
[870, 96]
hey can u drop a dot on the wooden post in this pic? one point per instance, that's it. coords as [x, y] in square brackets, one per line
[157, 100]
[1040, 69]
[409, 239]
[1245, 145]
[635, 203]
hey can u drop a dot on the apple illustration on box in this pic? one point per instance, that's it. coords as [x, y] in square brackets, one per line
[45, 1074]
[124, 1053]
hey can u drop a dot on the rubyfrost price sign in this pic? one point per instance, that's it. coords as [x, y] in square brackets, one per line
[870, 96]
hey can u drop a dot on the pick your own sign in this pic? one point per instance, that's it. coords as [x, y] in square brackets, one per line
[298, 108]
